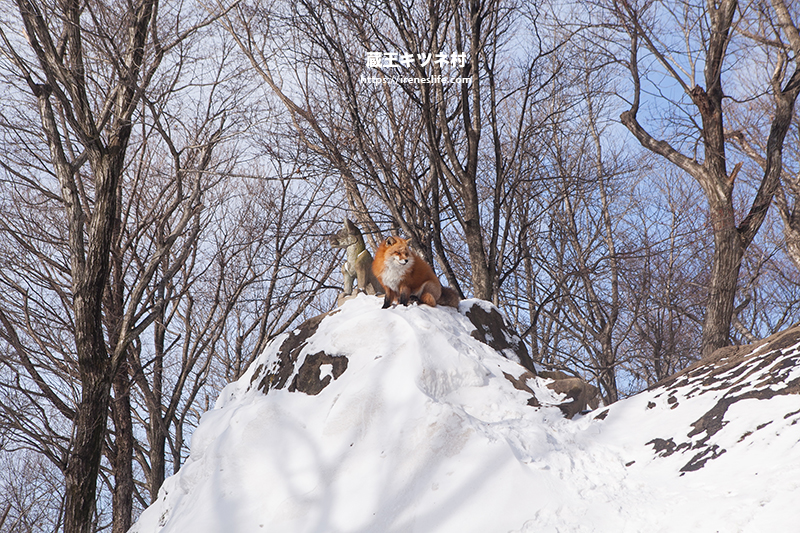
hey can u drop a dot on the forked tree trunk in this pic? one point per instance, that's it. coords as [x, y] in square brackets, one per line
[90, 227]
[730, 241]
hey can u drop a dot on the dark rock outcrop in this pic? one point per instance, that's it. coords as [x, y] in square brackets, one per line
[758, 371]
[521, 383]
[317, 370]
[308, 378]
[582, 395]
[492, 329]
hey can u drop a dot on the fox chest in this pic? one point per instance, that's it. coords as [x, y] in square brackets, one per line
[394, 273]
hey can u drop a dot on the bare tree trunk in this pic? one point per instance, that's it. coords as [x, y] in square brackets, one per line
[461, 170]
[96, 368]
[712, 175]
[90, 245]
[122, 454]
[155, 430]
[728, 254]
[84, 461]
[121, 447]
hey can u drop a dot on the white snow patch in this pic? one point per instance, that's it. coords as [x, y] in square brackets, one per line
[424, 433]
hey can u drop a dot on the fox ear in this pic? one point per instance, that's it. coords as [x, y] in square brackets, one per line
[348, 223]
[391, 240]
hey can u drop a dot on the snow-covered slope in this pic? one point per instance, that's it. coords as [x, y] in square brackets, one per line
[409, 423]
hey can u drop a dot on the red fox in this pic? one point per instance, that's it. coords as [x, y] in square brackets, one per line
[404, 274]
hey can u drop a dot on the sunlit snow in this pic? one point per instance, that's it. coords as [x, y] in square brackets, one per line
[423, 433]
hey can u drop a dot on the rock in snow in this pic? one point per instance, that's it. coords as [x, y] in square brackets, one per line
[408, 420]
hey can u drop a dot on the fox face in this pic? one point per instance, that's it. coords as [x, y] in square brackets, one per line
[397, 262]
[398, 250]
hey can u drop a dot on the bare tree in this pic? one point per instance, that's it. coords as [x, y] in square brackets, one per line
[773, 31]
[154, 241]
[582, 255]
[86, 68]
[33, 498]
[664, 279]
[709, 33]
[56, 75]
[413, 153]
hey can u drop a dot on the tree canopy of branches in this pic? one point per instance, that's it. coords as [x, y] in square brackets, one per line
[170, 170]
[441, 162]
[678, 40]
[70, 54]
[138, 269]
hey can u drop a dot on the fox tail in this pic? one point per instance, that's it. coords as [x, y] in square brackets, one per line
[449, 297]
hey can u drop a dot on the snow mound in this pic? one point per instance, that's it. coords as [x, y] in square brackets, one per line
[373, 420]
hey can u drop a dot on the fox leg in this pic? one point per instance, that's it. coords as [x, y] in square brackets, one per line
[430, 293]
[428, 299]
[405, 295]
[388, 298]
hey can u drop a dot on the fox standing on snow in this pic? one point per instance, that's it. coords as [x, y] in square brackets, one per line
[404, 274]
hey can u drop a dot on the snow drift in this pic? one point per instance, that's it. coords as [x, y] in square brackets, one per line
[371, 420]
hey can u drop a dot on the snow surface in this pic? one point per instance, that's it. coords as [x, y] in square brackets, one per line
[424, 433]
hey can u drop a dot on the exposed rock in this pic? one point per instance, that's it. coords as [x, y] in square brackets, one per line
[520, 383]
[308, 378]
[698, 461]
[492, 328]
[758, 371]
[665, 447]
[317, 370]
[582, 395]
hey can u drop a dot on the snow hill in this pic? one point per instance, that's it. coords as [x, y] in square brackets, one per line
[400, 420]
